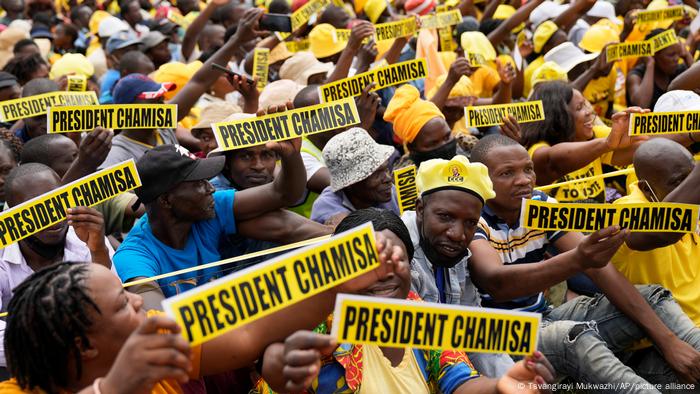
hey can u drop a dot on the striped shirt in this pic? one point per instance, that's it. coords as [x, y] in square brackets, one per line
[516, 245]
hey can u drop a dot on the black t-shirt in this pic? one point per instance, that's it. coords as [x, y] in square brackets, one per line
[640, 69]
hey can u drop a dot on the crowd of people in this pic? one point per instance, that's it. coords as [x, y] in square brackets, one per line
[620, 310]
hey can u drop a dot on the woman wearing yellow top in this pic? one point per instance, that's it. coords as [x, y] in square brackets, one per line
[72, 327]
[567, 145]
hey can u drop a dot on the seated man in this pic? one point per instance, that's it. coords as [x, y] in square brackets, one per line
[381, 369]
[508, 265]
[186, 218]
[79, 238]
[360, 177]
[666, 173]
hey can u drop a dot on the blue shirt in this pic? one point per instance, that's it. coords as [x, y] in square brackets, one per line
[143, 255]
[110, 79]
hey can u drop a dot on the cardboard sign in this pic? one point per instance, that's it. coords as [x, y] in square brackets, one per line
[643, 217]
[426, 325]
[44, 211]
[222, 305]
[112, 116]
[286, 125]
[665, 123]
[261, 65]
[492, 115]
[29, 107]
[407, 193]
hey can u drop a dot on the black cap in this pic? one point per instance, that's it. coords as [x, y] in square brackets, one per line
[165, 166]
[7, 80]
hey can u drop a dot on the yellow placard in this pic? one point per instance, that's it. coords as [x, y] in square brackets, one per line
[440, 19]
[663, 40]
[178, 19]
[492, 115]
[447, 44]
[297, 46]
[665, 123]
[28, 107]
[113, 116]
[629, 49]
[475, 59]
[261, 64]
[282, 126]
[670, 13]
[76, 83]
[301, 16]
[643, 217]
[242, 297]
[44, 211]
[383, 77]
[393, 30]
[426, 325]
[407, 193]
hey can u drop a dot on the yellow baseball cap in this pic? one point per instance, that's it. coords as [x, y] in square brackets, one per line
[324, 42]
[597, 37]
[455, 174]
[176, 73]
[548, 71]
[477, 42]
[72, 64]
[374, 9]
[542, 34]
[505, 11]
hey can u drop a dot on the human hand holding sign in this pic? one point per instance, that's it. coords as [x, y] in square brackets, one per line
[525, 376]
[287, 148]
[510, 127]
[358, 33]
[149, 357]
[302, 356]
[619, 137]
[89, 226]
[367, 105]
[596, 249]
[459, 68]
[392, 258]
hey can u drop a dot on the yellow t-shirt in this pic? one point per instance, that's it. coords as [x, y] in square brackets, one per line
[378, 376]
[674, 267]
[586, 190]
[600, 92]
[527, 75]
[484, 81]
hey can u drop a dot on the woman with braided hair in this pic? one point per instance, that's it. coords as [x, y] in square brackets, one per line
[73, 327]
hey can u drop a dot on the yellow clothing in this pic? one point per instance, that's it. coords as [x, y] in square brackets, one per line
[600, 92]
[675, 267]
[587, 190]
[379, 376]
[408, 113]
[484, 82]
[527, 75]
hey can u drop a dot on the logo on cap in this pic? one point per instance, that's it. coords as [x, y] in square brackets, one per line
[184, 152]
[456, 175]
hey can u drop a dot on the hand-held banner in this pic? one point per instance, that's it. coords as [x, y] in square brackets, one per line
[220, 306]
[426, 325]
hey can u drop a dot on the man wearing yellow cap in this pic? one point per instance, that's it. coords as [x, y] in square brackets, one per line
[504, 252]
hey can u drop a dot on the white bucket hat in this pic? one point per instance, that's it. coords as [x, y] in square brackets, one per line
[678, 100]
[568, 56]
[352, 156]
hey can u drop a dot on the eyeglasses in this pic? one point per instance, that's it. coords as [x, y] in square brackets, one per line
[653, 195]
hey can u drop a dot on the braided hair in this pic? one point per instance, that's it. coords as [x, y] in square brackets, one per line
[47, 312]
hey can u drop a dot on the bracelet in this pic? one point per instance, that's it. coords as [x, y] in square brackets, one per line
[96, 385]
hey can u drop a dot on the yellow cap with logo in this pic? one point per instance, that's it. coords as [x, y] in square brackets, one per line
[542, 34]
[455, 174]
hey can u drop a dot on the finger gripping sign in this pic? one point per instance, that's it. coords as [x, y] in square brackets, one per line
[670, 13]
[407, 193]
[393, 30]
[301, 16]
[642, 217]
[663, 40]
[261, 64]
[113, 116]
[242, 297]
[28, 107]
[45, 210]
[492, 115]
[76, 83]
[664, 123]
[426, 325]
[391, 75]
[628, 50]
[286, 125]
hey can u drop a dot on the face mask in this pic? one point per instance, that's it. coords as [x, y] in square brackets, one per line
[446, 152]
[436, 258]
